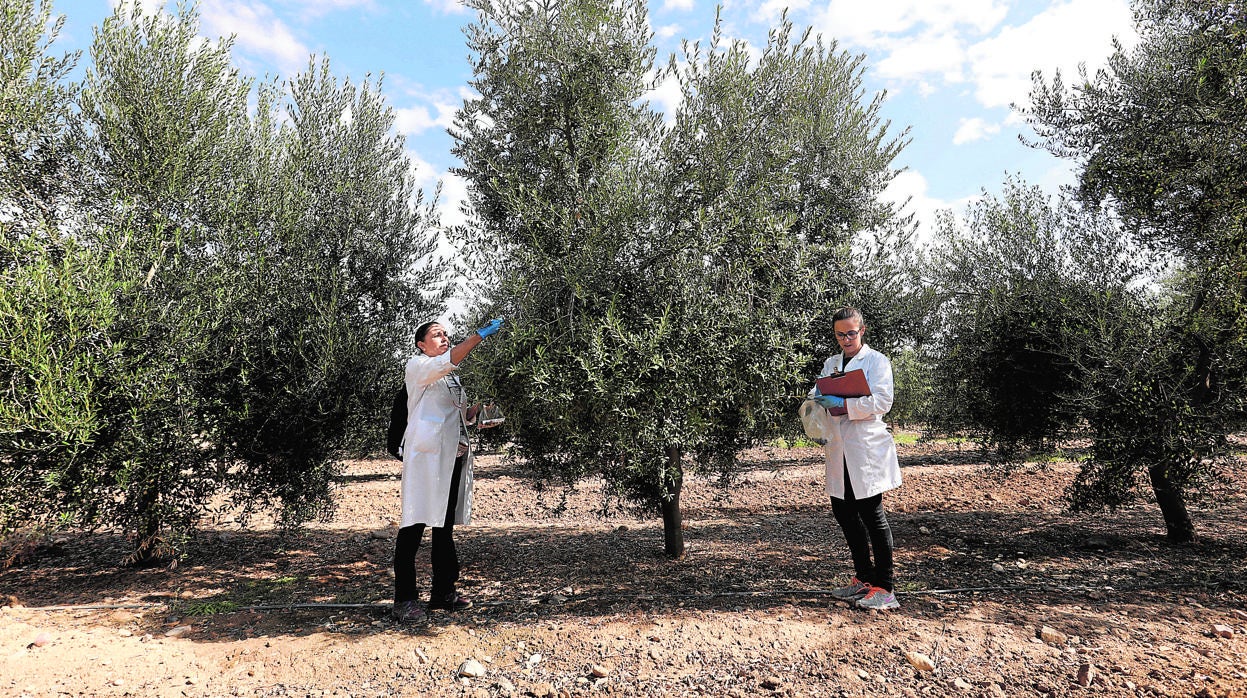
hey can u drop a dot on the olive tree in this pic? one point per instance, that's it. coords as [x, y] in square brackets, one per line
[1159, 135]
[249, 272]
[1024, 316]
[662, 277]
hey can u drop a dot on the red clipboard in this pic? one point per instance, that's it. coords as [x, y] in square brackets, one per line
[850, 384]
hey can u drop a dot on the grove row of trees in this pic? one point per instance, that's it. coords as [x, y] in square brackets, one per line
[205, 282]
[672, 275]
[208, 282]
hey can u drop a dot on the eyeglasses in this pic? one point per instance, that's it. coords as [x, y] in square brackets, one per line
[851, 334]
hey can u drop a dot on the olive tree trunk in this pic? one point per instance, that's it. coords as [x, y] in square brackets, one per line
[672, 520]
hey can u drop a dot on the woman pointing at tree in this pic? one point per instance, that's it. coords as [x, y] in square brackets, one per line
[437, 469]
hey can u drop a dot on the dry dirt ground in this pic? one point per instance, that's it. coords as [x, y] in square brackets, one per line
[986, 564]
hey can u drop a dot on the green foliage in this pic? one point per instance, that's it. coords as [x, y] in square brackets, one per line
[662, 278]
[1019, 307]
[1159, 133]
[35, 162]
[218, 309]
[914, 386]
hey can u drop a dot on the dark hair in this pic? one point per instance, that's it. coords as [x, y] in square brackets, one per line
[423, 330]
[848, 312]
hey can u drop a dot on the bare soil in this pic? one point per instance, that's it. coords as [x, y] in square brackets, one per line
[987, 564]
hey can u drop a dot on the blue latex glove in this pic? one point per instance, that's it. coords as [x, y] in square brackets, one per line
[829, 401]
[493, 326]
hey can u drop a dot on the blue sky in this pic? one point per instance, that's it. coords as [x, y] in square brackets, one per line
[951, 68]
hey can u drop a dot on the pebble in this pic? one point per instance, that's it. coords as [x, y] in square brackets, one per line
[534, 659]
[472, 669]
[1052, 636]
[923, 529]
[772, 683]
[1086, 674]
[178, 631]
[962, 684]
[1241, 615]
[505, 687]
[40, 640]
[599, 671]
[124, 633]
[920, 661]
[1224, 631]
[997, 567]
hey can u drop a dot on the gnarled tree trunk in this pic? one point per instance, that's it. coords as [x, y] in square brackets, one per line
[1172, 505]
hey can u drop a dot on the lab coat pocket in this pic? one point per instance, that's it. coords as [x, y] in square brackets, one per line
[426, 436]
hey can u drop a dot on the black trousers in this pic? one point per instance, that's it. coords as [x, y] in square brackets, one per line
[442, 555]
[865, 526]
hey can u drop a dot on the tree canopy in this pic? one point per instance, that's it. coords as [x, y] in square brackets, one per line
[1159, 134]
[213, 300]
[663, 271]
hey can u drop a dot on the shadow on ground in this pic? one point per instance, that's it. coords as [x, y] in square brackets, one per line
[248, 584]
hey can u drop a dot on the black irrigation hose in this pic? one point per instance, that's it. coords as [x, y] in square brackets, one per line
[613, 597]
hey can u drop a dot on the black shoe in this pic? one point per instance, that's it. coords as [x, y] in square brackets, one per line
[450, 602]
[408, 612]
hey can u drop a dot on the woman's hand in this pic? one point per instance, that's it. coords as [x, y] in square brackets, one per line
[493, 326]
[829, 401]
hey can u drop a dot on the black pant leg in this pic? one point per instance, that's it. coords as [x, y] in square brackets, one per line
[856, 536]
[405, 546]
[855, 533]
[875, 521]
[443, 555]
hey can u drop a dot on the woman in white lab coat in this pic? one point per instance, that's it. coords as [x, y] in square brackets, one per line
[862, 464]
[437, 470]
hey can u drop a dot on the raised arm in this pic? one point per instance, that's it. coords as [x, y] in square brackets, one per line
[461, 350]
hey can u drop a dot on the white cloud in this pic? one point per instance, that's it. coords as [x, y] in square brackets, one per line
[424, 173]
[318, 8]
[448, 7]
[667, 31]
[932, 53]
[682, 5]
[258, 30]
[416, 120]
[454, 194]
[666, 97]
[910, 189]
[953, 41]
[974, 129]
[1060, 37]
[869, 24]
[770, 10]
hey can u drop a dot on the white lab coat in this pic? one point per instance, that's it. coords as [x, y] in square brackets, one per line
[861, 438]
[435, 415]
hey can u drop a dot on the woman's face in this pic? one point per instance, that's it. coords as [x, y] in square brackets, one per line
[436, 342]
[849, 333]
